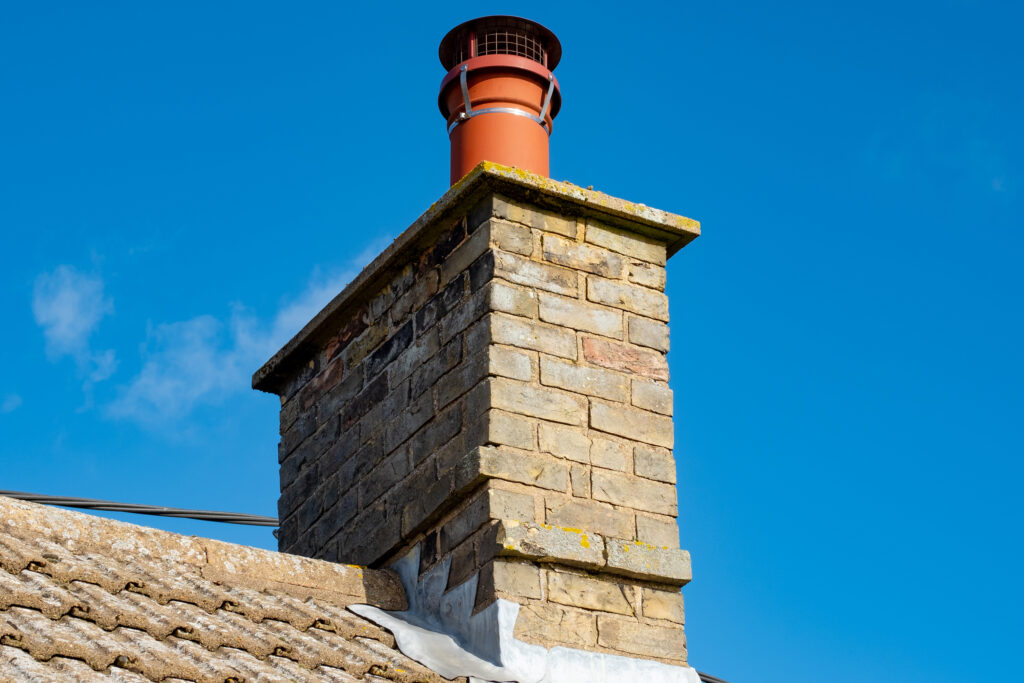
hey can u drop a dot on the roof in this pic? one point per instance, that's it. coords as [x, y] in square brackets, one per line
[87, 598]
[486, 178]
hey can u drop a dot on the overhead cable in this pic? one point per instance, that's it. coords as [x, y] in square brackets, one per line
[138, 508]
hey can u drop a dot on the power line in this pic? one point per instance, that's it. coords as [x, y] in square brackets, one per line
[138, 508]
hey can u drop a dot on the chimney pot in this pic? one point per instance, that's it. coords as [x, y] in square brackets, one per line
[499, 97]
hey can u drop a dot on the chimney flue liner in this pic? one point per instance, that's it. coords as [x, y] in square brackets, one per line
[499, 97]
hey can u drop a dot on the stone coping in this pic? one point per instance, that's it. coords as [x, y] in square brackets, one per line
[570, 200]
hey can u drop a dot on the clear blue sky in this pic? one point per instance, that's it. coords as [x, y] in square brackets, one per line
[182, 184]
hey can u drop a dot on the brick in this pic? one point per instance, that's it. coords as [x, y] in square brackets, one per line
[425, 377]
[580, 316]
[647, 275]
[625, 358]
[465, 254]
[653, 464]
[510, 505]
[590, 516]
[582, 257]
[515, 300]
[583, 380]
[408, 421]
[427, 502]
[389, 350]
[438, 432]
[334, 518]
[464, 523]
[535, 470]
[444, 245]
[511, 237]
[463, 315]
[462, 379]
[588, 593]
[629, 636]
[650, 396]
[639, 300]
[373, 394]
[424, 287]
[633, 492]
[542, 220]
[653, 563]
[564, 442]
[497, 427]
[384, 476]
[579, 480]
[631, 423]
[510, 578]
[536, 337]
[660, 604]
[413, 357]
[649, 333]
[657, 531]
[610, 455]
[336, 400]
[544, 623]
[322, 383]
[361, 347]
[523, 271]
[463, 564]
[550, 544]
[438, 305]
[547, 404]
[289, 412]
[509, 363]
[630, 244]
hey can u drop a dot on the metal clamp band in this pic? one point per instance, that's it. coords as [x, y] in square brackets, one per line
[468, 111]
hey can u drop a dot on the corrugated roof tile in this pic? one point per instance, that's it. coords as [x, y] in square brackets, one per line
[90, 599]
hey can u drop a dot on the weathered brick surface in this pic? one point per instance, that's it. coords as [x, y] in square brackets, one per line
[572, 313]
[629, 636]
[652, 396]
[632, 298]
[631, 423]
[650, 333]
[654, 464]
[580, 590]
[627, 243]
[588, 514]
[565, 442]
[500, 399]
[634, 492]
[625, 358]
[660, 531]
[583, 379]
[662, 604]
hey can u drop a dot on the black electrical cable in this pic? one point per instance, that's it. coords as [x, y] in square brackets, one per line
[708, 678]
[159, 511]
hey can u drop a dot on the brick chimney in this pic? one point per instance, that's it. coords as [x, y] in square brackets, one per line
[490, 395]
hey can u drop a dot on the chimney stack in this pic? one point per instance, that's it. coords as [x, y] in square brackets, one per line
[499, 97]
[485, 407]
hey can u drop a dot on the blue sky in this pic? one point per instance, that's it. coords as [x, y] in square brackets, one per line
[183, 185]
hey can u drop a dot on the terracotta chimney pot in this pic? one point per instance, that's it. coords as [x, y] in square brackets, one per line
[499, 97]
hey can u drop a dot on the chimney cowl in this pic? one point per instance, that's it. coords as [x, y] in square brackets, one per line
[499, 97]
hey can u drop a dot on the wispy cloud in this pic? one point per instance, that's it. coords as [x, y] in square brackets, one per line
[9, 403]
[204, 360]
[68, 305]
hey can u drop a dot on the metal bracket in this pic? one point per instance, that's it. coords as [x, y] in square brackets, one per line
[468, 112]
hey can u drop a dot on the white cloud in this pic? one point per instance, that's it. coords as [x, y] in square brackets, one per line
[9, 404]
[204, 360]
[69, 305]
